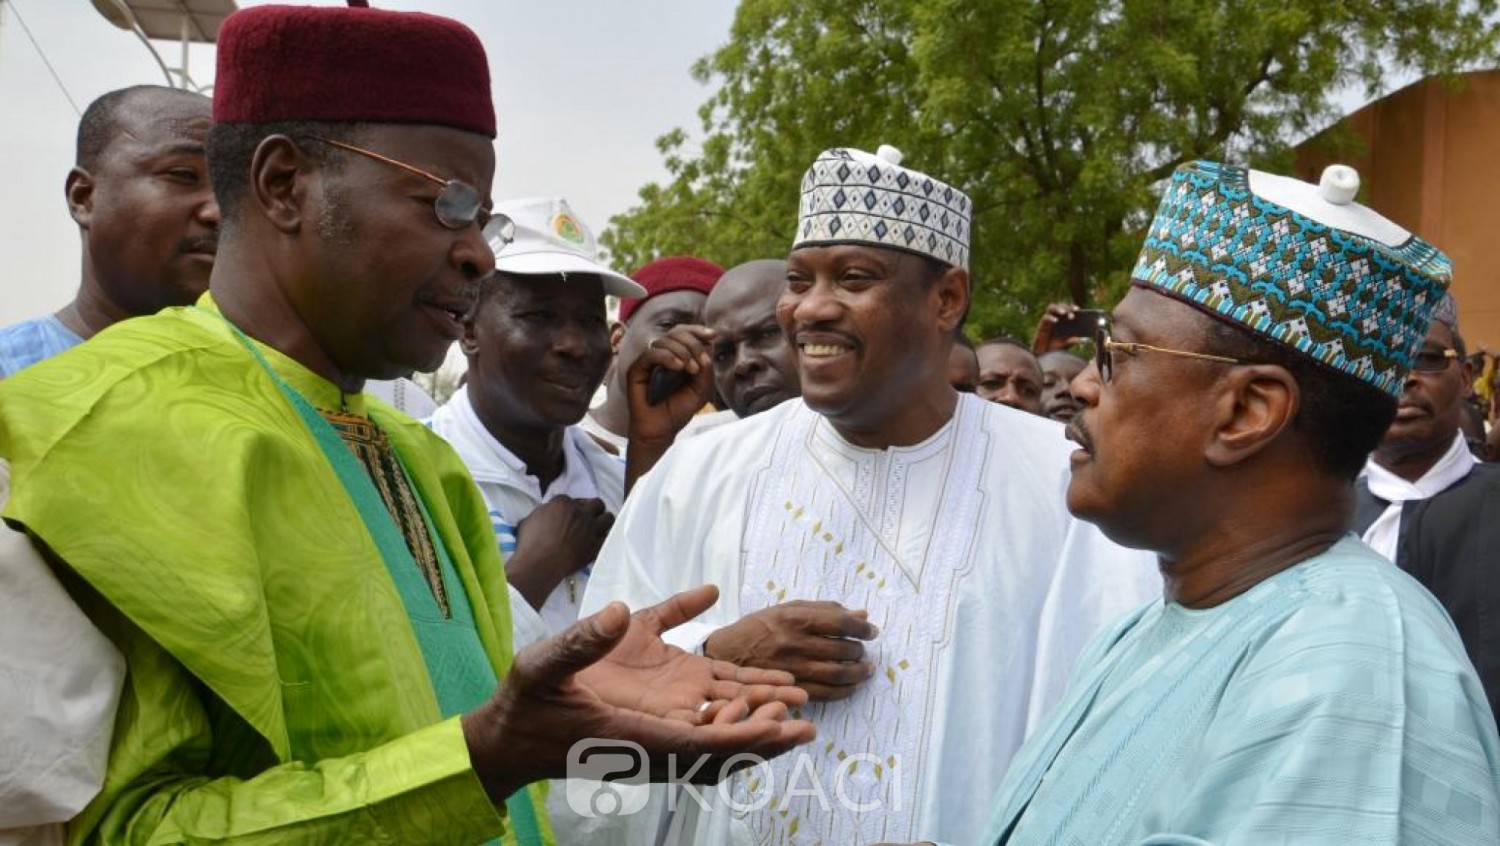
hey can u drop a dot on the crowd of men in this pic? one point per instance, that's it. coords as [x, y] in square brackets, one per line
[1212, 567]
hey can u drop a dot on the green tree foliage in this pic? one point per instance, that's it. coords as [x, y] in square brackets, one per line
[1059, 117]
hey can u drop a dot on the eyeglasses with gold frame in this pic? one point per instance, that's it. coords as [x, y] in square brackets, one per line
[1105, 347]
[458, 203]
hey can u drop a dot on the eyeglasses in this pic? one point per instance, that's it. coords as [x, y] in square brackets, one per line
[1433, 360]
[1105, 347]
[458, 203]
[500, 232]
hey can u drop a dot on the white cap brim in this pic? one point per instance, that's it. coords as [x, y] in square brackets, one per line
[547, 262]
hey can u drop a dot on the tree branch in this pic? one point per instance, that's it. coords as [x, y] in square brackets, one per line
[750, 225]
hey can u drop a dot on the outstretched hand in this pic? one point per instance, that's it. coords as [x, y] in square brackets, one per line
[611, 676]
[645, 674]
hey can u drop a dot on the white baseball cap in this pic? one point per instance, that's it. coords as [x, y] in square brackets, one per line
[541, 235]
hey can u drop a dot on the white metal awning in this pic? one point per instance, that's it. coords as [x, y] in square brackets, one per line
[169, 20]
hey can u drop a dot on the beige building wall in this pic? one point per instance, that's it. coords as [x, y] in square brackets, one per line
[1431, 163]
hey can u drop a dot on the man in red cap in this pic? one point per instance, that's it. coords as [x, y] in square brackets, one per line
[676, 289]
[304, 583]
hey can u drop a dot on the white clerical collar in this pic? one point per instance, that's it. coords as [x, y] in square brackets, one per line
[1452, 467]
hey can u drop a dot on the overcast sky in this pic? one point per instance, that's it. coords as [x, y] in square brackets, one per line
[582, 89]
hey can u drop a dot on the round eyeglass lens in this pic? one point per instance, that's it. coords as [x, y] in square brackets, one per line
[457, 204]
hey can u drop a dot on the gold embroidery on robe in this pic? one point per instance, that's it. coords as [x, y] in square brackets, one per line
[374, 452]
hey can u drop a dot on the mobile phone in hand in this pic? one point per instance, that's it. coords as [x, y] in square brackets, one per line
[1084, 323]
[663, 383]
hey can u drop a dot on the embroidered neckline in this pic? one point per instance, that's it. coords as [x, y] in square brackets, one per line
[895, 454]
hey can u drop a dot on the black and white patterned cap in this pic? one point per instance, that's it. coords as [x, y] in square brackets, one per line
[1446, 312]
[852, 197]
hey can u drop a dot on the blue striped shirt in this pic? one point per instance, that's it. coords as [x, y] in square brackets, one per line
[24, 344]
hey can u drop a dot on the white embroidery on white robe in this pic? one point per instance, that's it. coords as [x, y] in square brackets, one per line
[812, 536]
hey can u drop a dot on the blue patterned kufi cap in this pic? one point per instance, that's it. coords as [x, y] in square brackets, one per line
[1301, 264]
[852, 197]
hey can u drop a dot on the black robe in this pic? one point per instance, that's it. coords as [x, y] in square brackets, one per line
[1450, 543]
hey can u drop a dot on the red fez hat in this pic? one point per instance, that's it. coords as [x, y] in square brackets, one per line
[674, 273]
[295, 63]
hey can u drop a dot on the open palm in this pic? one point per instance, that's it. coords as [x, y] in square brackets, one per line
[644, 673]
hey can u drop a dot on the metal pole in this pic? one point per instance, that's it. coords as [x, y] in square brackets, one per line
[135, 27]
[187, 81]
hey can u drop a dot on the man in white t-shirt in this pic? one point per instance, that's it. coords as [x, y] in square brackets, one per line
[538, 347]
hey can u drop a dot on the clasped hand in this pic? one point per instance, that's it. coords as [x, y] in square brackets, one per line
[818, 643]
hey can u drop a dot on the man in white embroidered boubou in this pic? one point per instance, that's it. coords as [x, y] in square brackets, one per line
[900, 548]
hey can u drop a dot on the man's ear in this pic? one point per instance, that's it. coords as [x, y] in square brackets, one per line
[1258, 402]
[79, 191]
[951, 295]
[616, 336]
[279, 172]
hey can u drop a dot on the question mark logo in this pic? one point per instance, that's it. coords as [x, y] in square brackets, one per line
[606, 778]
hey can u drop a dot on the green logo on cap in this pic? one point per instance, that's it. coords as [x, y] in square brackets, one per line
[567, 228]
